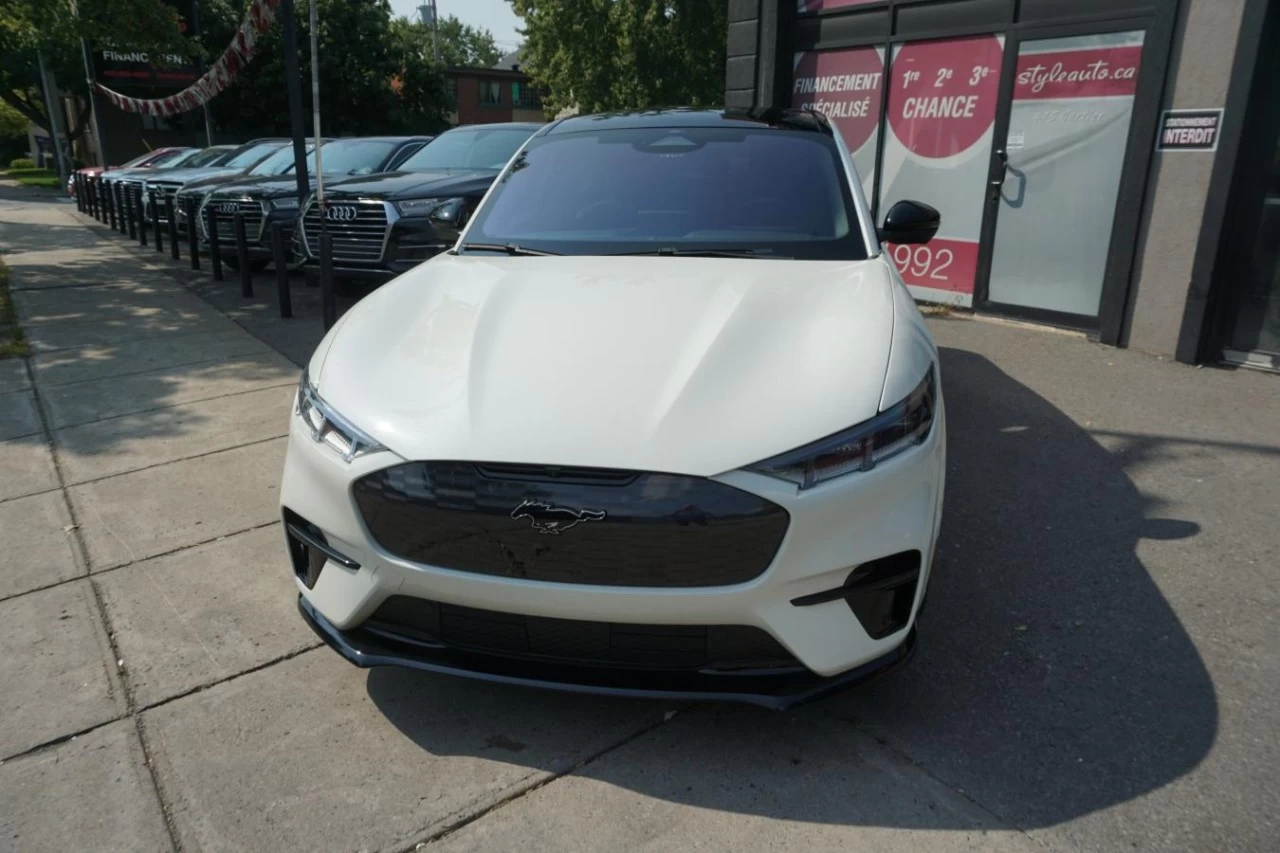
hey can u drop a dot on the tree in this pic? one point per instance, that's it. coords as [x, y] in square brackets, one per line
[53, 29]
[606, 55]
[372, 75]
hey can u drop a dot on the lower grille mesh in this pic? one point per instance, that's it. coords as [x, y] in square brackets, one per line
[723, 647]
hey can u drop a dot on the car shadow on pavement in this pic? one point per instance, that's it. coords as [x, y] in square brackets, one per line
[1052, 680]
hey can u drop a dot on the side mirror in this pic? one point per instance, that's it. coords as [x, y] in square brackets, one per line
[910, 222]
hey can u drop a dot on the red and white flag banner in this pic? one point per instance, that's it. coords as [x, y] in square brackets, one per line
[257, 20]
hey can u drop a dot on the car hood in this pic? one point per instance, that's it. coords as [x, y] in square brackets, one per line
[411, 184]
[683, 365]
[259, 186]
[182, 176]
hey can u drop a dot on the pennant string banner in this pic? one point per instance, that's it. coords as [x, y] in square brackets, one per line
[257, 20]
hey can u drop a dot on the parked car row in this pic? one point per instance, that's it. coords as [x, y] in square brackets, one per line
[391, 202]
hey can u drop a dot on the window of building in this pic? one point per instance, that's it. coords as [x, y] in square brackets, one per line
[490, 92]
[526, 97]
[451, 91]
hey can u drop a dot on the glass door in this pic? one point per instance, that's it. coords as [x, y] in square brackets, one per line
[1056, 174]
[1255, 333]
[942, 104]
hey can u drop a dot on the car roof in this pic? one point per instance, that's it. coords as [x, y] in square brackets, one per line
[421, 138]
[695, 117]
[530, 126]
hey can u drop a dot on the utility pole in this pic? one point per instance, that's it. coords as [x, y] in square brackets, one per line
[315, 110]
[51, 104]
[93, 105]
[204, 106]
[293, 85]
[429, 17]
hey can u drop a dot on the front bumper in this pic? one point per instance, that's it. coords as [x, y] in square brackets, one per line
[834, 528]
[778, 691]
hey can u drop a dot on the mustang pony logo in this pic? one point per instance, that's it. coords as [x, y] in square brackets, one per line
[546, 518]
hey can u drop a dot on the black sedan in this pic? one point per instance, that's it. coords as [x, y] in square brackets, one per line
[266, 199]
[386, 224]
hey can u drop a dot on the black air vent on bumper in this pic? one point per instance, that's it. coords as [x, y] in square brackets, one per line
[571, 525]
[880, 593]
[684, 647]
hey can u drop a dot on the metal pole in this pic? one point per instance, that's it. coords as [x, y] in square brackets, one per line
[50, 99]
[204, 107]
[215, 251]
[129, 216]
[171, 216]
[155, 220]
[293, 85]
[435, 32]
[193, 234]
[281, 262]
[242, 255]
[109, 199]
[99, 140]
[142, 217]
[328, 304]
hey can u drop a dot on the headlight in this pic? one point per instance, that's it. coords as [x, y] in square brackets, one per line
[287, 202]
[328, 426]
[448, 209]
[859, 448]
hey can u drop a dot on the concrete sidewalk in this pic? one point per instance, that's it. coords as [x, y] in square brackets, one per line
[1097, 669]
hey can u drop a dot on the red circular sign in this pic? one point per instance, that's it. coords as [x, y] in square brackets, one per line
[944, 94]
[843, 85]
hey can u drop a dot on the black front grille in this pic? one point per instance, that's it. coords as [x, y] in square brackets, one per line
[613, 644]
[571, 525]
[358, 230]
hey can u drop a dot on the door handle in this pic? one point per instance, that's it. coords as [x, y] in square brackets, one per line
[1003, 157]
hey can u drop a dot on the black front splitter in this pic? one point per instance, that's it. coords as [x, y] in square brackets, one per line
[772, 689]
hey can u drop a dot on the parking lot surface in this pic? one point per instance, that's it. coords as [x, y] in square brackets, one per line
[1097, 667]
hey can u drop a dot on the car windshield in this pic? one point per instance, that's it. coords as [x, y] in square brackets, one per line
[206, 157]
[763, 192]
[248, 155]
[277, 164]
[141, 158]
[171, 158]
[472, 148]
[351, 156]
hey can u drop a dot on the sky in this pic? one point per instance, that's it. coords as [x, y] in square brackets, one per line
[493, 15]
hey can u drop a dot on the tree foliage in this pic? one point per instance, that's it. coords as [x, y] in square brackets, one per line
[53, 28]
[605, 55]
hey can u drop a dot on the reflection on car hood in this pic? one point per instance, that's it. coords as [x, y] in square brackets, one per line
[685, 365]
[182, 176]
[258, 187]
[399, 185]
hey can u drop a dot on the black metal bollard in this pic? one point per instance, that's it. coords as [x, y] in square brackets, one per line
[193, 235]
[78, 191]
[142, 217]
[215, 250]
[328, 303]
[110, 194]
[95, 198]
[171, 225]
[281, 262]
[242, 255]
[155, 219]
[130, 215]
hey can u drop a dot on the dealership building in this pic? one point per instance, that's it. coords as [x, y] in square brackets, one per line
[1105, 165]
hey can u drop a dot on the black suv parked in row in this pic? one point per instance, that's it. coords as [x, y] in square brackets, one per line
[386, 224]
[267, 198]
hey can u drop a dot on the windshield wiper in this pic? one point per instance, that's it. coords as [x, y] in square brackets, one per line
[669, 251]
[509, 248]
